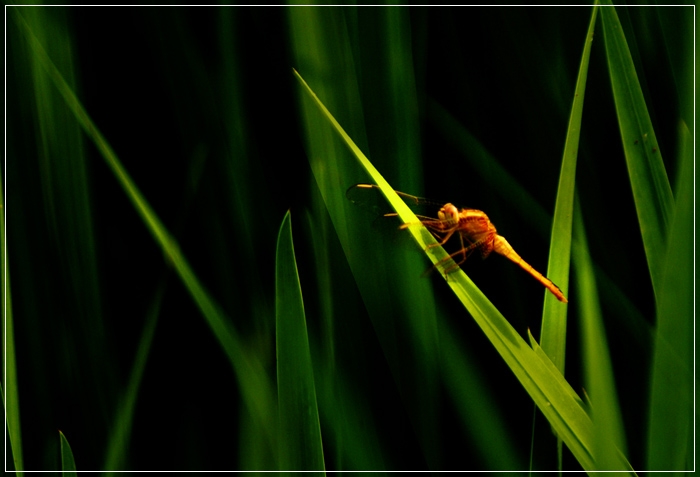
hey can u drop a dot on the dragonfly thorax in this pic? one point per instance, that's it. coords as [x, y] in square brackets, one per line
[475, 227]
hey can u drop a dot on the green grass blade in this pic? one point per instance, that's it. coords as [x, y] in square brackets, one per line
[670, 440]
[67, 460]
[507, 187]
[652, 192]
[10, 394]
[544, 384]
[537, 374]
[420, 234]
[358, 442]
[144, 210]
[254, 384]
[372, 90]
[600, 381]
[352, 443]
[553, 333]
[119, 439]
[554, 316]
[65, 181]
[62, 174]
[462, 377]
[299, 441]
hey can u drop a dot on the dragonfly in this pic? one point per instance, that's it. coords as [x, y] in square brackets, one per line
[473, 228]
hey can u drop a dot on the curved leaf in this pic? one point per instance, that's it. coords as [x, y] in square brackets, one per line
[299, 441]
[553, 334]
[540, 378]
[652, 192]
[254, 383]
[67, 460]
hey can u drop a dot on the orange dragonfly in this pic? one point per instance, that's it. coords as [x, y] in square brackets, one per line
[475, 232]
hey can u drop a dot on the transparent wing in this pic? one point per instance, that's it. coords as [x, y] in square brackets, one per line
[369, 196]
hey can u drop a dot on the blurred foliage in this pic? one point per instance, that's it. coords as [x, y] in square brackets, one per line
[468, 105]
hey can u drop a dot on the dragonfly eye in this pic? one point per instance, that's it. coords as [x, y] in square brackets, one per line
[449, 213]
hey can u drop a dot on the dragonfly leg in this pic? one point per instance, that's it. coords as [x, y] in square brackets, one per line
[436, 228]
[464, 251]
[443, 240]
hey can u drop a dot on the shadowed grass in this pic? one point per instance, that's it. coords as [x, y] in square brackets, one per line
[402, 379]
[660, 217]
[118, 446]
[77, 337]
[652, 192]
[351, 443]
[67, 460]
[342, 51]
[254, 384]
[10, 394]
[671, 417]
[608, 433]
[300, 432]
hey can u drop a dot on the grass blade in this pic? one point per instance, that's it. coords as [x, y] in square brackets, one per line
[351, 443]
[421, 235]
[600, 382]
[118, 444]
[254, 384]
[374, 95]
[670, 440]
[67, 460]
[540, 378]
[553, 333]
[10, 394]
[462, 376]
[554, 316]
[300, 445]
[652, 192]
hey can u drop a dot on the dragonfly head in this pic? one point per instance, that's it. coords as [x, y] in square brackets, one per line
[449, 213]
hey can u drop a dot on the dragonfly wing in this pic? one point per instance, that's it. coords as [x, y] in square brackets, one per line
[361, 194]
[368, 197]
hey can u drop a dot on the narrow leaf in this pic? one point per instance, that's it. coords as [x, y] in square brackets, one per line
[652, 192]
[9, 389]
[118, 445]
[608, 434]
[671, 416]
[299, 441]
[548, 389]
[67, 461]
[254, 383]
[553, 334]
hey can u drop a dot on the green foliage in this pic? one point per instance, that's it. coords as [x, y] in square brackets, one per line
[607, 440]
[652, 191]
[10, 398]
[553, 335]
[670, 441]
[300, 432]
[67, 460]
[175, 152]
[543, 382]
